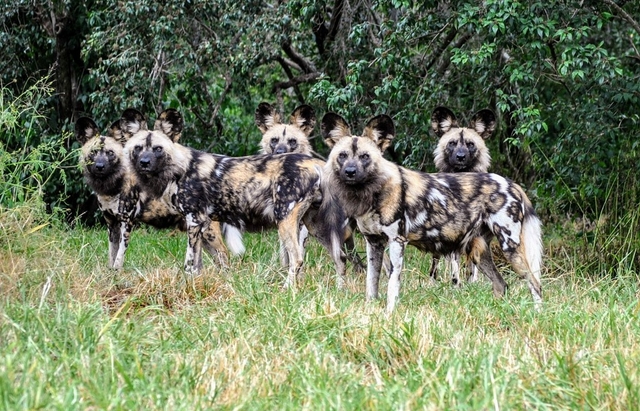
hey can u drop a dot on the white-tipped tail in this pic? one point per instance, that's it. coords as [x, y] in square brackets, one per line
[532, 229]
[233, 238]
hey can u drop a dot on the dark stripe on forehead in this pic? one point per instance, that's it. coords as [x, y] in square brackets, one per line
[462, 136]
[354, 145]
[149, 136]
[284, 132]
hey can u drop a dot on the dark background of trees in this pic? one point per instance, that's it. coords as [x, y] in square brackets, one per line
[562, 76]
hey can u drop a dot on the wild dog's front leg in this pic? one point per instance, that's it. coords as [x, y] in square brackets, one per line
[125, 228]
[396, 257]
[193, 259]
[113, 230]
[375, 255]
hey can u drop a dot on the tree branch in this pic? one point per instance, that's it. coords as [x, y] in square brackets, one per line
[306, 65]
[287, 70]
[296, 80]
[624, 15]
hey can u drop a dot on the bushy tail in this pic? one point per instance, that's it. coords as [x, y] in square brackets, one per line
[233, 238]
[532, 241]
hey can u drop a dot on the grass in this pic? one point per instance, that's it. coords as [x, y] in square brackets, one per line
[76, 335]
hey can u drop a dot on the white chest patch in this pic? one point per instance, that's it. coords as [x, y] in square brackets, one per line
[370, 224]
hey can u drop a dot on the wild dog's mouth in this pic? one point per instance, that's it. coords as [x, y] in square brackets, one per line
[351, 177]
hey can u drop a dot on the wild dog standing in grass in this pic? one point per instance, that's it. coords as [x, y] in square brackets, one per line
[120, 195]
[246, 193]
[104, 170]
[461, 150]
[438, 213]
[280, 138]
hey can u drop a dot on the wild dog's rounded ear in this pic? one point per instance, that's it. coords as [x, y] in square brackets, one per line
[484, 123]
[85, 129]
[304, 117]
[442, 120]
[171, 123]
[266, 117]
[132, 121]
[334, 128]
[381, 130]
[115, 131]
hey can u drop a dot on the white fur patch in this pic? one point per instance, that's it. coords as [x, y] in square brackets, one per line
[233, 238]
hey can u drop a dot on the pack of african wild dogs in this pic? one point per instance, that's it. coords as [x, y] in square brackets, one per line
[144, 175]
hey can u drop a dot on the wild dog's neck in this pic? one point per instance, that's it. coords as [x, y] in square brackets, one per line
[155, 184]
[110, 185]
[358, 199]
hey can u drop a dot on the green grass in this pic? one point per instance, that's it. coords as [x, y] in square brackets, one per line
[76, 335]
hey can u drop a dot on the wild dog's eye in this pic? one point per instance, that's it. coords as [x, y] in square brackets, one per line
[452, 143]
[137, 149]
[293, 143]
[157, 149]
[275, 140]
[364, 156]
[342, 156]
[471, 144]
[110, 153]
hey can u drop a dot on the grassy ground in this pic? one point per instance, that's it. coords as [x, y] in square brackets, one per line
[76, 335]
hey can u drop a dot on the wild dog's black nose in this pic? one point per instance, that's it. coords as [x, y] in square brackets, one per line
[460, 156]
[280, 150]
[144, 162]
[350, 171]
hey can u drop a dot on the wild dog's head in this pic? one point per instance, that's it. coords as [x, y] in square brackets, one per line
[101, 155]
[279, 138]
[462, 149]
[150, 151]
[356, 160]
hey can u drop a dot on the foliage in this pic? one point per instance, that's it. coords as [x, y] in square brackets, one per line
[33, 165]
[562, 75]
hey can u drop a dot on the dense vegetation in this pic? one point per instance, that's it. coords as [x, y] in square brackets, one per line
[564, 80]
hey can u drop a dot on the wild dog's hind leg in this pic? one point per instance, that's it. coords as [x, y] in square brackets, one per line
[433, 271]
[212, 242]
[480, 254]
[526, 256]
[290, 241]
[472, 272]
[350, 247]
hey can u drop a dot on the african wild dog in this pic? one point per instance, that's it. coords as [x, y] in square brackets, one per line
[461, 150]
[120, 195]
[104, 171]
[279, 138]
[438, 213]
[245, 193]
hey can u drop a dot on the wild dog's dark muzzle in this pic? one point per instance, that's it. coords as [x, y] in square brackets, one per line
[145, 160]
[350, 171]
[280, 149]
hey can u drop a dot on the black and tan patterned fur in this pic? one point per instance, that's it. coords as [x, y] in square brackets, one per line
[246, 193]
[439, 213]
[279, 138]
[122, 198]
[459, 150]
